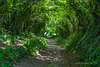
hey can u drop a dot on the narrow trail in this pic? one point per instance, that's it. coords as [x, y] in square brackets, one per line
[53, 56]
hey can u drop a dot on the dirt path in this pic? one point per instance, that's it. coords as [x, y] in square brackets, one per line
[53, 56]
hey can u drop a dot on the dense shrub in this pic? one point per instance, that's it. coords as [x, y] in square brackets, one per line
[90, 46]
[11, 55]
[7, 39]
[86, 45]
[33, 45]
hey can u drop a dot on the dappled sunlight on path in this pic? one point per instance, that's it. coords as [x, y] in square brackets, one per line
[53, 56]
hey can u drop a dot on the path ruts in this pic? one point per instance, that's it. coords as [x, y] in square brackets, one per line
[53, 56]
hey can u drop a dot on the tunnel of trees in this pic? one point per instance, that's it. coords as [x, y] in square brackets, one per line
[75, 23]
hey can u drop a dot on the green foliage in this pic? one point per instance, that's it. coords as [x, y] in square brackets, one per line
[58, 39]
[76, 23]
[23, 16]
[86, 45]
[90, 44]
[11, 55]
[25, 36]
[80, 30]
[33, 45]
[7, 39]
[43, 41]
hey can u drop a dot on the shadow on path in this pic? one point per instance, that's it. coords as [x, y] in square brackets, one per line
[53, 56]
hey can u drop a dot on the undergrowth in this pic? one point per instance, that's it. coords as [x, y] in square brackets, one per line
[35, 45]
[86, 45]
[7, 39]
[11, 55]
